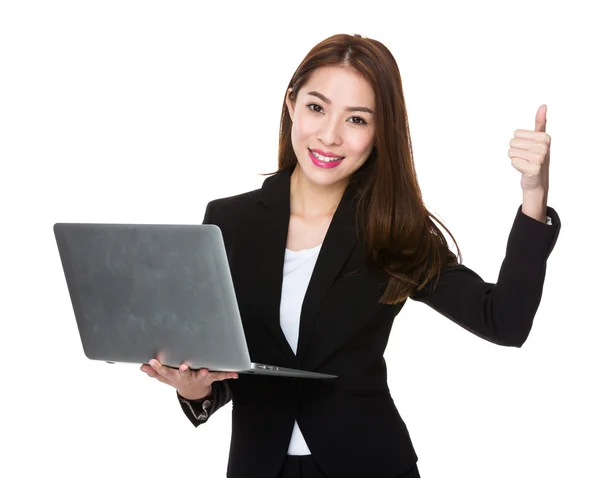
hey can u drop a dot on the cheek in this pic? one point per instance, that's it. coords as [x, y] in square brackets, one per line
[361, 144]
[302, 129]
[305, 126]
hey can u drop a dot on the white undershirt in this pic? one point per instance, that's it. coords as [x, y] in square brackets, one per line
[298, 267]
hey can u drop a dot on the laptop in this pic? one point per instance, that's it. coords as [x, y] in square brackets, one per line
[143, 291]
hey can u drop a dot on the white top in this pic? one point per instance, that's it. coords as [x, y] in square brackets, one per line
[298, 267]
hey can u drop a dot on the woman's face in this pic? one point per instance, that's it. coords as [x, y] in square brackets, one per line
[332, 115]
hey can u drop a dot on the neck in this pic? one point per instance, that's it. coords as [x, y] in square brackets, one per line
[312, 200]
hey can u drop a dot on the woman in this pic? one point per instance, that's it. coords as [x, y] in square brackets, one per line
[325, 255]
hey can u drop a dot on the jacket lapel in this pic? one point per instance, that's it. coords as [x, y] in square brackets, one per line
[339, 242]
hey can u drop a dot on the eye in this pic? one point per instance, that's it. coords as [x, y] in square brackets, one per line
[313, 104]
[360, 122]
[358, 117]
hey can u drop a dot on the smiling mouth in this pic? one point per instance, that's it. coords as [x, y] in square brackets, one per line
[325, 159]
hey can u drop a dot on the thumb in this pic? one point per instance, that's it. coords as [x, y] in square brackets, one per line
[540, 119]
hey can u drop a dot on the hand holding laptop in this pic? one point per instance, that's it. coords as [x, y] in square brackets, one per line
[191, 384]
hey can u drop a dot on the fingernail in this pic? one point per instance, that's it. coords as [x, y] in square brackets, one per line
[204, 373]
[152, 362]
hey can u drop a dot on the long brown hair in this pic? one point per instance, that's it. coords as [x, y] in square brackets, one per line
[398, 231]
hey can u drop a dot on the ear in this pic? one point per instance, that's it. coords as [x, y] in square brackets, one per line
[290, 104]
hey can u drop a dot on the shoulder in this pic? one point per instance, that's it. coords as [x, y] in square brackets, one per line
[222, 208]
[232, 213]
[244, 208]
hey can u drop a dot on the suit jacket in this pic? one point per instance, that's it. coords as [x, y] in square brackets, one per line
[350, 423]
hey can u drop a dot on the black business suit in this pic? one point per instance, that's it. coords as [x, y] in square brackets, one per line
[350, 423]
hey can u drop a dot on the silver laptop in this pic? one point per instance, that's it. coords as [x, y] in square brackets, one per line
[143, 291]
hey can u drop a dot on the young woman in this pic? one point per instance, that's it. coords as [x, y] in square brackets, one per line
[325, 255]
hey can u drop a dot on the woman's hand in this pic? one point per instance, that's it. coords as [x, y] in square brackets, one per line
[191, 384]
[530, 154]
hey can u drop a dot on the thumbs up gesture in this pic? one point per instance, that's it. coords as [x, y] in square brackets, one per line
[530, 154]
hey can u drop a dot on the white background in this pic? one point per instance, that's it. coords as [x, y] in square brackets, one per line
[143, 111]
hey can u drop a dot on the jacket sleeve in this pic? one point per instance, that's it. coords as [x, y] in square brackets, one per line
[502, 313]
[199, 411]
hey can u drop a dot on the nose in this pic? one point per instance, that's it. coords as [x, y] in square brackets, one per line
[330, 132]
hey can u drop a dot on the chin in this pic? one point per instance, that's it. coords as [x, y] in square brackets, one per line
[326, 178]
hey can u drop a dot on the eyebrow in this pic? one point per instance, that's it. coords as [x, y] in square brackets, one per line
[364, 109]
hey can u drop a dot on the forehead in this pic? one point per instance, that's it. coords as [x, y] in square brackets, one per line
[341, 85]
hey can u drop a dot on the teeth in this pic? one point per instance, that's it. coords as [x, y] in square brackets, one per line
[325, 159]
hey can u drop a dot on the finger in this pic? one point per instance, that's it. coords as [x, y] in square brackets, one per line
[147, 368]
[162, 379]
[160, 369]
[184, 371]
[151, 372]
[219, 376]
[530, 156]
[536, 136]
[198, 373]
[528, 144]
[154, 374]
[203, 373]
[540, 118]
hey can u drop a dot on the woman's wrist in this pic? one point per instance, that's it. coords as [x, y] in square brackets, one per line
[193, 397]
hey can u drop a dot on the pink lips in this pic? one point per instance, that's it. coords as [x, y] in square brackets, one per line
[323, 164]
[325, 153]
